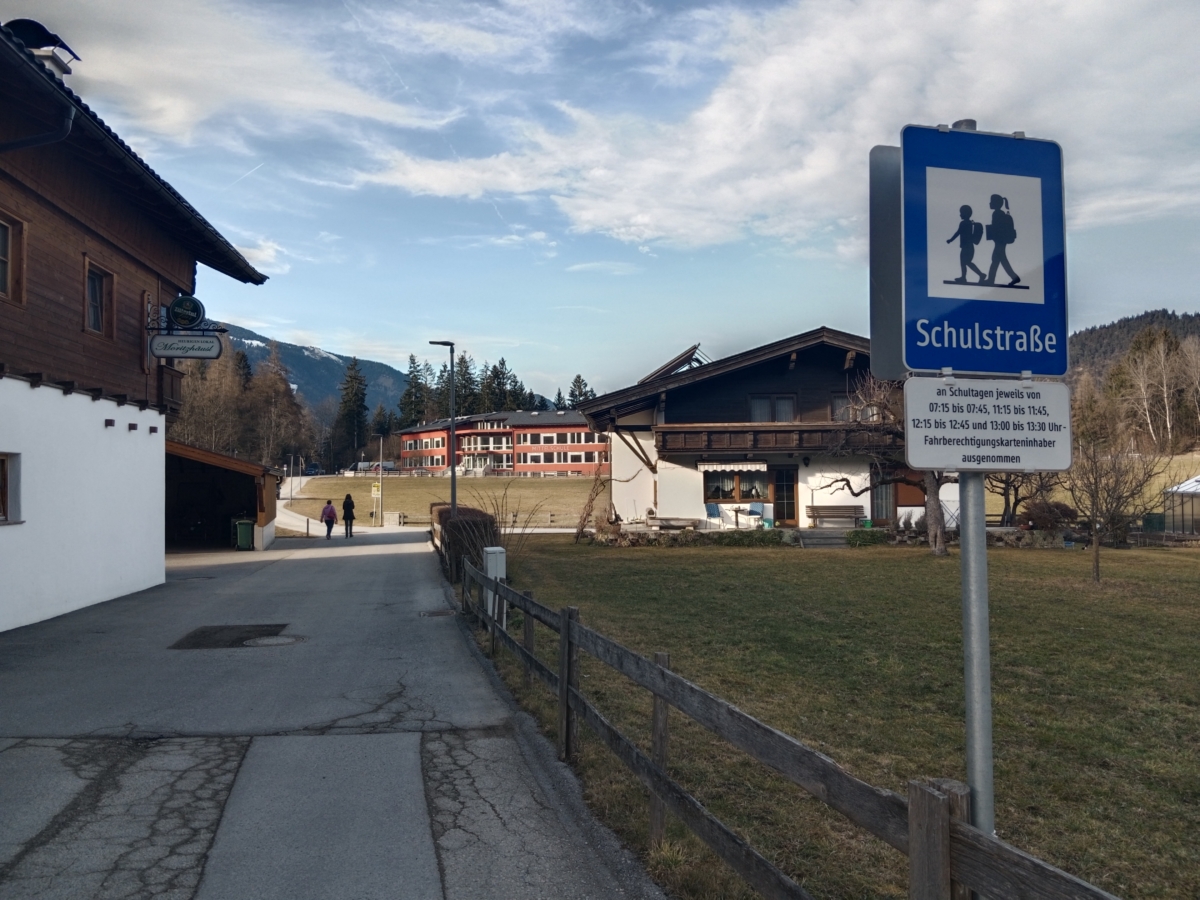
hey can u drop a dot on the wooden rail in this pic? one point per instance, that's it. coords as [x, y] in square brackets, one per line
[948, 858]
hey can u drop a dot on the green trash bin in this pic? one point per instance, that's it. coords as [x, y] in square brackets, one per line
[867, 523]
[245, 534]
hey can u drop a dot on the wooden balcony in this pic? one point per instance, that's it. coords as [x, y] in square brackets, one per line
[816, 437]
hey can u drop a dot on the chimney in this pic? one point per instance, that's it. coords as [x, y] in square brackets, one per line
[53, 59]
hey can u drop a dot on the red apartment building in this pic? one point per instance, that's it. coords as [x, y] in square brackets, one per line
[544, 443]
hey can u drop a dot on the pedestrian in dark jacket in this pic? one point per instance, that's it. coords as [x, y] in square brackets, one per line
[348, 515]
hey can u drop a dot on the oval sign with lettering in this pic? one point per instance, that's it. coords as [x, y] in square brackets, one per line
[185, 312]
[185, 346]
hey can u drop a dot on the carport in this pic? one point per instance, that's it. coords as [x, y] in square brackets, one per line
[207, 492]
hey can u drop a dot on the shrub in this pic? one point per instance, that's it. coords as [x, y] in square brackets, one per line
[866, 537]
[467, 535]
[1047, 515]
[767, 537]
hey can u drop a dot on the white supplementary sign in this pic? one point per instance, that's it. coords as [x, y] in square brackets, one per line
[183, 346]
[978, 425]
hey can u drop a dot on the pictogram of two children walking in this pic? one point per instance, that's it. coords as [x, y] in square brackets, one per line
[1001, 233]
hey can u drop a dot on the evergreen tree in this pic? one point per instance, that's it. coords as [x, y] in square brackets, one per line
[412, 402]
[350, 429]
[441, 393]
[579, 392]
[493, 387]
[245, 371]
[381, 421]
[430, 411]
[466, 386]
[560, 402]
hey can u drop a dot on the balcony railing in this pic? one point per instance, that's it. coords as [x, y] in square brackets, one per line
[827, 437]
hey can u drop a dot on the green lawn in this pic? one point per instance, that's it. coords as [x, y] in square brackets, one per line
[539, 497]
[858, 653]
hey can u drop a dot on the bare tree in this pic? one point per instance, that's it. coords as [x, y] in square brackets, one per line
[1109, 481]
[1189, 372]
[1019, 487]
[875, 428]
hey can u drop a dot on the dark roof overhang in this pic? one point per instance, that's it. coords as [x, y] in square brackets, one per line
[45, 98]
[603, 412]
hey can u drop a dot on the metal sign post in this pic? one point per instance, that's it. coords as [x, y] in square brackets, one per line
[938, 311]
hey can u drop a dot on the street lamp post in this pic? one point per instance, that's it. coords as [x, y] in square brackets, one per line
[453, 444]
[380, 436]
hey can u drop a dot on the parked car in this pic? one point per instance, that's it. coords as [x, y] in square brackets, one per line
[314, 469]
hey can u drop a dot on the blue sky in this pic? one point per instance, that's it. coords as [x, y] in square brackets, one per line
[592, 187]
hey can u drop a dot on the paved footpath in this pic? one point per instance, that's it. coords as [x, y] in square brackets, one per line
[375, 758]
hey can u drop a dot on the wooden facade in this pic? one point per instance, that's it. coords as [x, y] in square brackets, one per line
[86, 204]
[774, 425]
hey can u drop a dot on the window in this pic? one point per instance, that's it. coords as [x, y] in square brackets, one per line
[773, 408]
[5, 258]
[576, 457]
[736, 486]
[10, 496]
[11, 254]
[534, 438]
[561, 437]
[589, 456]
[839, 408]
[98, 316]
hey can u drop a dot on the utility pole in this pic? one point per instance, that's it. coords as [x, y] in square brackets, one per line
[453, 454]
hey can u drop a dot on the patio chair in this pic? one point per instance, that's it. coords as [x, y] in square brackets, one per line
[756, 511]
[712, 513]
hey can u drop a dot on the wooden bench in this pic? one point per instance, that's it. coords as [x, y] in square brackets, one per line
[817, 513]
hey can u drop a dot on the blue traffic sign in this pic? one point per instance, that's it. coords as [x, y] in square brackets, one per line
[984, 264]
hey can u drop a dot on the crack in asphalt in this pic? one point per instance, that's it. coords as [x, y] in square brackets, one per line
[483, 805]
[141, 826]
[389, 708]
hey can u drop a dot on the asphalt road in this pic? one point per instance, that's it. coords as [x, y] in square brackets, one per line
[376, 757]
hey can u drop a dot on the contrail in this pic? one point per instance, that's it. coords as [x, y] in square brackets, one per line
[248, 174]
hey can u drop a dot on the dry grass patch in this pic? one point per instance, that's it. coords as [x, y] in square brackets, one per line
[564, 497]
[858, 653]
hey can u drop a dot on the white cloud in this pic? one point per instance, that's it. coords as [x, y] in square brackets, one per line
[518, 35]
[171, 65]
[267, 256]
[779, 148]
[605, 267]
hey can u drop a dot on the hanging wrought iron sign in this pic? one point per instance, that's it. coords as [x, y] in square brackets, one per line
[185, 312]
[185, 346]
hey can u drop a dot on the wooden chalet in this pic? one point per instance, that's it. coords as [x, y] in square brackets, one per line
[92, 243]
[767, 435]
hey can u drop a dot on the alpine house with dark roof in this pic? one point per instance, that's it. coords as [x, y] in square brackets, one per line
[92, 243]
[766, 435]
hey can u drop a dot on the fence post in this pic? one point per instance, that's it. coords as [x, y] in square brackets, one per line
[494, 597]
[462, 591]
[530, 641]
[928, 843]
[658, 749]
[568, 677]
[960, 808]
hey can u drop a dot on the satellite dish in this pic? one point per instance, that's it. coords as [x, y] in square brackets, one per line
[36, 36]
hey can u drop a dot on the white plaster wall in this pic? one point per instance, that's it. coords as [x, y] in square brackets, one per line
[92, 500]
[633, 483]
[813, 487]
[264, 536]
[680, 491]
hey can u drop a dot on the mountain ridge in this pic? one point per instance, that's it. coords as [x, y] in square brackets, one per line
[316, 373]
[1098, 348]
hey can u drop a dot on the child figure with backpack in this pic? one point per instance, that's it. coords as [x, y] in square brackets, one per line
[1001, 233]
[969, 234]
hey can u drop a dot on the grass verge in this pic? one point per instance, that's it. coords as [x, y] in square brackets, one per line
[564, 497]
[1096, 704]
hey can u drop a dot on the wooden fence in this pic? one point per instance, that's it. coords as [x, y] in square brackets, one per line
[948, 858]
